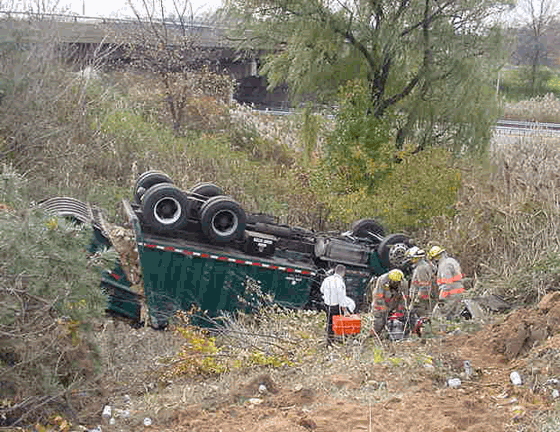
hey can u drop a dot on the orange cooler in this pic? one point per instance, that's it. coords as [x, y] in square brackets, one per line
[344, 325]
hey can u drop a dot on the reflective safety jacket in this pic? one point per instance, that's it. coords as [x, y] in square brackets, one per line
[449, 278]
[421, 281]
[387, 299]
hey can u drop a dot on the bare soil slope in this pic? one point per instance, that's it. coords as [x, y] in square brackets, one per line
[403, 387]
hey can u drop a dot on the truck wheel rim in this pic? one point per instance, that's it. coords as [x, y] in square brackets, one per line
[167, 211]
[225, 223]
[397, 254]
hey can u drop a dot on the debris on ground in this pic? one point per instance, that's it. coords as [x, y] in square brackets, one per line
[500, 377]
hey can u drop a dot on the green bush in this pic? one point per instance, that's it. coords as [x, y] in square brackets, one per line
[517, 84]
[50, 293]
[418, 188]
[359, 151]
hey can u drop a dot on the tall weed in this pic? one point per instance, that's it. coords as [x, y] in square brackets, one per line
[544, 109]
[506, 230]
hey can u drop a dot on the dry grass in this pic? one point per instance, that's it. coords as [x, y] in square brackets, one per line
[544, 109]
[343, 371]
[506, 231]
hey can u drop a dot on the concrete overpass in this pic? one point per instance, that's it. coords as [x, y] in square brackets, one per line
[210, 44]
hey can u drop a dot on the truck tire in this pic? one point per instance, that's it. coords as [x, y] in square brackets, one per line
[148, 179]
[206, 189]
[392, 249]
[222, 219]
[199, 194]
[165, 208]
[364, 228]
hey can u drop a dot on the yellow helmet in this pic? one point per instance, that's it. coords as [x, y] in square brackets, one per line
[396, 275]
[435, 251]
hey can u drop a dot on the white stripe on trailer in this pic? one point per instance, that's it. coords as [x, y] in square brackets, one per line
[228, 259]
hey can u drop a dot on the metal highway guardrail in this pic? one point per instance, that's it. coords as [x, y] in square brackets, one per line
[503, 126]
[511, 127]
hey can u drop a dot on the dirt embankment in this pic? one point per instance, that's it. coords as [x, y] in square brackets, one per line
[403, 387]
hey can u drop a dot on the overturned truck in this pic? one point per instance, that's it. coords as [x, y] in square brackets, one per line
[199, 248]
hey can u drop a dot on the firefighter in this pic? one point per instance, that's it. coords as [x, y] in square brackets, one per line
[333, 289]
[449, 279]
[420, 290]
[390, 296]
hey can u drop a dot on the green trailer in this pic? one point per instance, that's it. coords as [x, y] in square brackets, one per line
[179, 273]
[182, 270]
[199, 250]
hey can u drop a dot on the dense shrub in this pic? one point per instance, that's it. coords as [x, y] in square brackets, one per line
[49, 292]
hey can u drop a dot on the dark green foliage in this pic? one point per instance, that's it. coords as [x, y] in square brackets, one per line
[410, 57]
[49, 293]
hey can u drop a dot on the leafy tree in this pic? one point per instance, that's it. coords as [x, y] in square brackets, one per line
[537, 27]
[422, 59]
[362, 176]
[359, 149]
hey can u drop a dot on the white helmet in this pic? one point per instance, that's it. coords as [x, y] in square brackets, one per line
[415, 253]
[411, 252]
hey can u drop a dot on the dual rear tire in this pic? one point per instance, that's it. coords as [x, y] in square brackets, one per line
[222, 219]
[166, 208]
[146, 180]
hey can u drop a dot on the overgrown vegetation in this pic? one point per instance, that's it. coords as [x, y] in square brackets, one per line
[89, 135]
[513, 83]
[49, 295]
[540, 109]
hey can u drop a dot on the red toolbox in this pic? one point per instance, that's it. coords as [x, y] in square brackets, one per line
[344, 325]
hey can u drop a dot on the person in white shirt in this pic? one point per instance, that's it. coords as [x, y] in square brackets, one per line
[333, 289]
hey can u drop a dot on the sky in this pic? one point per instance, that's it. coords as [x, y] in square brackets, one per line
[120, 8]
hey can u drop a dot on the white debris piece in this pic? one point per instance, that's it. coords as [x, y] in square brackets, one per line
[454, 383]
[468, 368]
[106, 412]
[515, 378]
